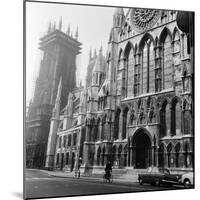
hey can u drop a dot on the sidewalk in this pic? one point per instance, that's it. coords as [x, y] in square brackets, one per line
[126, 180]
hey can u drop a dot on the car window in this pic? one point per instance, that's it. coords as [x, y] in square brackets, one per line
[155, 170]
[164, 171]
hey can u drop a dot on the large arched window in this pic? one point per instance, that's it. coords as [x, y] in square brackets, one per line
[137, 78]
[176, 118]
[116, 124]
[165, 119]
[147, 64]
[124, 125]
[158, 67]
[128, 76]
[176, 55]
[119, 73]
[176, 46]
[151, 68]
[166, 58]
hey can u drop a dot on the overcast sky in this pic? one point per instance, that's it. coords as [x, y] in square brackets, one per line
[94, 24]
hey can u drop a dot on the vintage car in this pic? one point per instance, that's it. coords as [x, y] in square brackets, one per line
[187, 180]
[157, 176]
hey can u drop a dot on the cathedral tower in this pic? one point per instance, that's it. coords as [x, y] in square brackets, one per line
[59, 61]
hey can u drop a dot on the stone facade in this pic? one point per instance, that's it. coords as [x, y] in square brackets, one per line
[137, 107]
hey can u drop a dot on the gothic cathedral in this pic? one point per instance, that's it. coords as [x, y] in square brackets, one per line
[136, 108]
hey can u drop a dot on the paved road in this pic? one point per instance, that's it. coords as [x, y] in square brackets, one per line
[40, 184]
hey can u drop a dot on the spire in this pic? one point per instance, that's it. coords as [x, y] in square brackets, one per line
[101, 48]
[60, 24]
[76, 34]
[49, 28]
[118, 17]
[68, 29]
[90, 53]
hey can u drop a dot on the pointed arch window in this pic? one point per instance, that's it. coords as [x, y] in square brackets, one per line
[158, 68]
[128, 75]
[166, 59]
[147, 64]
[137, 77]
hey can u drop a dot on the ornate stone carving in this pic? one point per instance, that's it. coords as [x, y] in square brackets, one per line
[143, 19]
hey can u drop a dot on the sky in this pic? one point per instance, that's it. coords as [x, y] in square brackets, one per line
[94, 25]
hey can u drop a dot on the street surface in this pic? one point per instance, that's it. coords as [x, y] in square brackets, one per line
[41, 184]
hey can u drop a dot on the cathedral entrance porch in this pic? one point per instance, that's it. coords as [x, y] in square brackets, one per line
[141, 149]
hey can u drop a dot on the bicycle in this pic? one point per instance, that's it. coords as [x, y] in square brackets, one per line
[107, 178]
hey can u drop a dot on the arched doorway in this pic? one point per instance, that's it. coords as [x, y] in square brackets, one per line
[142, 151]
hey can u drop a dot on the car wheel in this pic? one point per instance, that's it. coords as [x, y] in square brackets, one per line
[141, 181]
[187, 183]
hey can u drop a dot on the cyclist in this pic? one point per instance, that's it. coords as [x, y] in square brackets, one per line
[108, 169]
